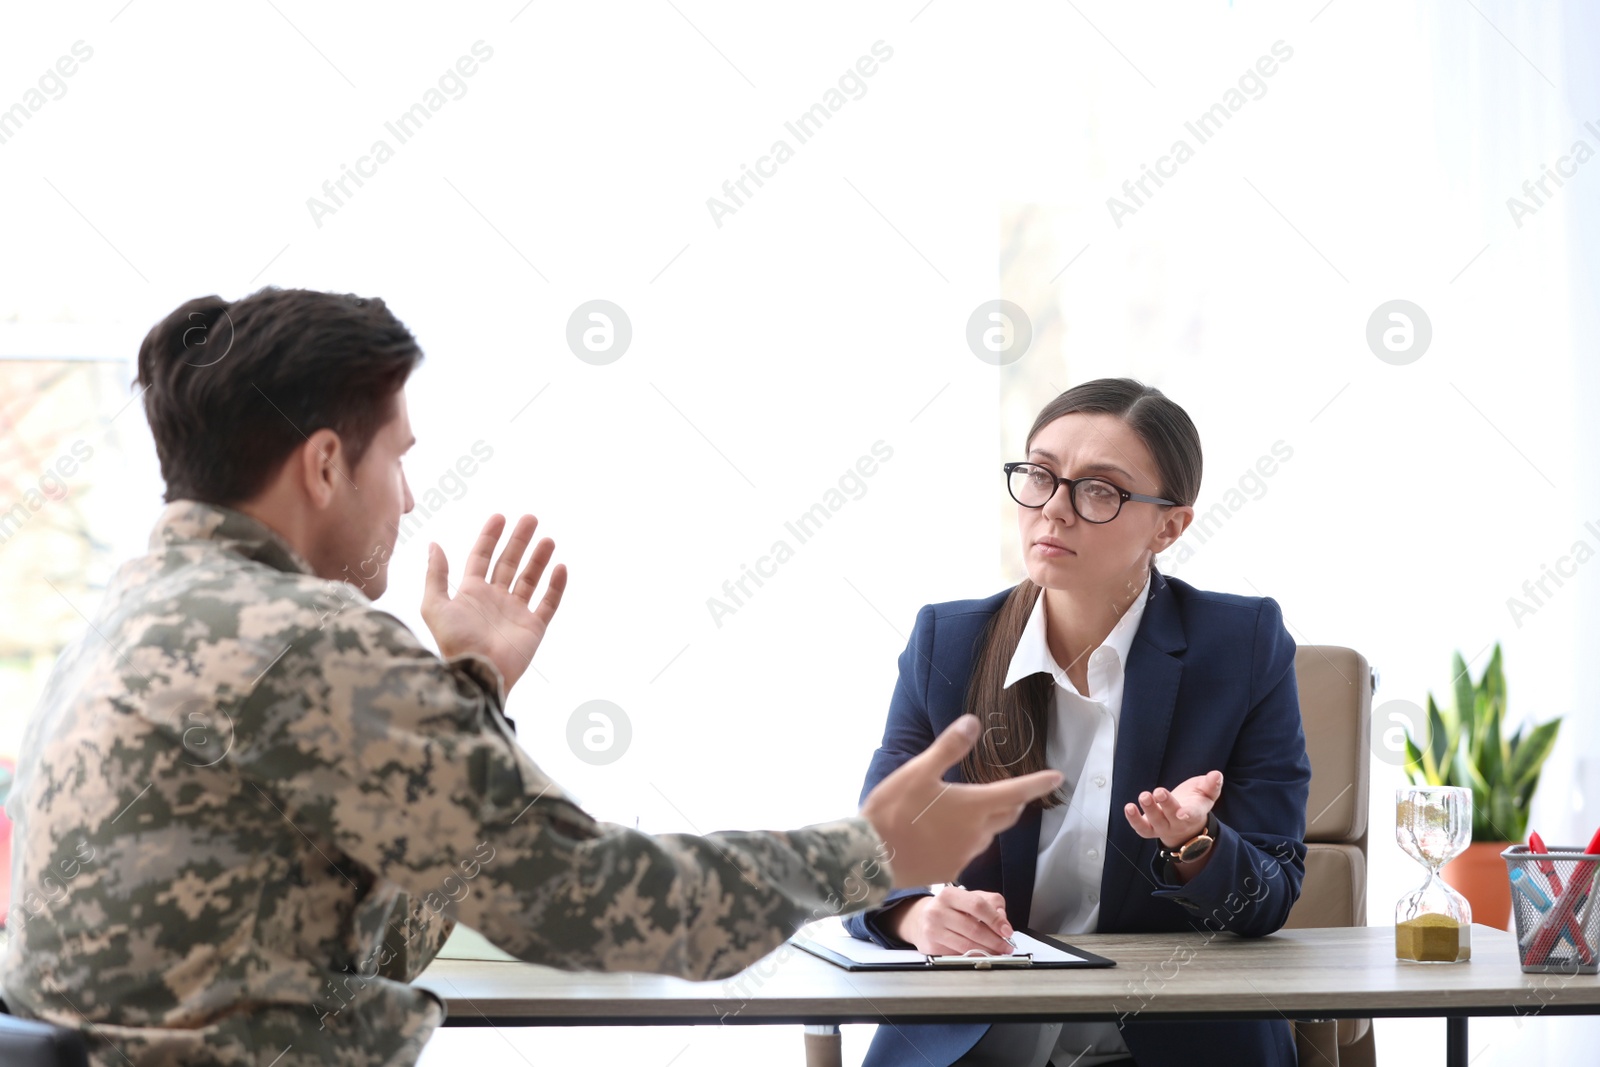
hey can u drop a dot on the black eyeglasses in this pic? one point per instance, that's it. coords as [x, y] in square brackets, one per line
[1093, 499]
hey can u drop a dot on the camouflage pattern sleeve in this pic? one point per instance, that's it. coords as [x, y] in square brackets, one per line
[412, 938]
[362, 737]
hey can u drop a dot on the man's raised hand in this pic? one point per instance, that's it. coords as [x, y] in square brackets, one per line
[490, 612]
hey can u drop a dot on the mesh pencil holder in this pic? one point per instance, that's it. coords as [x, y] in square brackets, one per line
[1558, 919]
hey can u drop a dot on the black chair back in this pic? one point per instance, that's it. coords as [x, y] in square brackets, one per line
[31, 1043]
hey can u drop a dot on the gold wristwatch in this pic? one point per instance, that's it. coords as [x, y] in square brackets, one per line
[1195, 847]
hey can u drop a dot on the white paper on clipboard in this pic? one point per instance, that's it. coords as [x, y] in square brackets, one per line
[830, 933]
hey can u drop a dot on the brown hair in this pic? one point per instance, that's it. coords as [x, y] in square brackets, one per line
[1015, 720]
[232, 389]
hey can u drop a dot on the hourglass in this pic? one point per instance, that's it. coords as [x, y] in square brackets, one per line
[1433, 923]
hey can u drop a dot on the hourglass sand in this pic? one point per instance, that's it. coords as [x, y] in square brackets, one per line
[1433, 923]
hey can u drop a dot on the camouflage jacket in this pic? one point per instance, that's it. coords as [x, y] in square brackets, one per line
[250, 807]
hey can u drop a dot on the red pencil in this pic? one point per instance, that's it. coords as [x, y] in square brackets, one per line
[1562, 914]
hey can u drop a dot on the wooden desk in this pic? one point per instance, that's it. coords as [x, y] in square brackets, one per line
[1305, 974]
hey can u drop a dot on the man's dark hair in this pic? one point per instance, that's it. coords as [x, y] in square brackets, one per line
[231, 389]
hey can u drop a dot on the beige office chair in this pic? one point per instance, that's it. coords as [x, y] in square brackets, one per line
[1336, 687]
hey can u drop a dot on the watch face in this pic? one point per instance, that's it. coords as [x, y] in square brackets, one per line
[1195, 849]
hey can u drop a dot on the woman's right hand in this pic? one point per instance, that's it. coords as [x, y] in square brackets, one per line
[952, 921]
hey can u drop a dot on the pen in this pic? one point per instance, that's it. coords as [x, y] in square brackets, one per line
[1586, 903]
[1588, 910]
[1007, 940]
[1524, 886]
[1529, 888]
[1536, 845]
[1578, 927]
[1551, 926]
[1556, 921]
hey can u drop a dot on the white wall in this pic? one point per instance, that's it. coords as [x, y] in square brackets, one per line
[828, 313]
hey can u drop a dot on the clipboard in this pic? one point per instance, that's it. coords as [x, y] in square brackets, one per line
[829, 940]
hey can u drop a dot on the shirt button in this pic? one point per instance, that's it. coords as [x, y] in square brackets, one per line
[1100, 780]
[1094, 898]
[1092, 853]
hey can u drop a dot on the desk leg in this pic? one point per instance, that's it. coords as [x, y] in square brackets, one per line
[1455, 1041]
[824, 1046]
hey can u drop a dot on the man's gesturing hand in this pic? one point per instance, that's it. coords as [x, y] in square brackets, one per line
[933, 827]
[489, 613]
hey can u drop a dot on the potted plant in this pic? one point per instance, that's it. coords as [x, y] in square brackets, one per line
[1466, 745]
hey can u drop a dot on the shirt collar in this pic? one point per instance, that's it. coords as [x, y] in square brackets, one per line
[1033, 650]
[184, 521]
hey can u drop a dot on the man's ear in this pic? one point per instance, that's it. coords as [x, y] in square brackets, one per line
[323, 470]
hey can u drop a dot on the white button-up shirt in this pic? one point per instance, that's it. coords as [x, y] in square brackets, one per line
[1081, 744]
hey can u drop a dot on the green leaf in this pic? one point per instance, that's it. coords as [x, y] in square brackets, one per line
[1469, 745]
[1521, 829]
[1415, 766]
[1494, 677]
[1466, 696]
[1489, 757]
[1466, 773]
[1500, 818]
[1441, 742]
[1523, 770]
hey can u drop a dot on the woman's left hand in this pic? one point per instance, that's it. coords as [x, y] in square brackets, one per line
[1177, 815]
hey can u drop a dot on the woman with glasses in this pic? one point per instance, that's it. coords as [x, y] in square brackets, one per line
[1172, 712]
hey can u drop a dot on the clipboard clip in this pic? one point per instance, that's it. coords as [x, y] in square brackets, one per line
[979, 960]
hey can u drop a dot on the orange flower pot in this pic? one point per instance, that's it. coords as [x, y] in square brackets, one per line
[1480, 875]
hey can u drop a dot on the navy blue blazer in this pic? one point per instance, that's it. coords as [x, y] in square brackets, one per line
[1209, 684]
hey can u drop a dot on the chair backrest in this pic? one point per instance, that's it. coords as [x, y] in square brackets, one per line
[32, 1043]
[1335, 687]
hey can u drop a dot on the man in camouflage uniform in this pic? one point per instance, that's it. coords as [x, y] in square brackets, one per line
[251, 805]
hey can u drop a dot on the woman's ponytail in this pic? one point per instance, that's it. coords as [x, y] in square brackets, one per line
[1014, 721]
